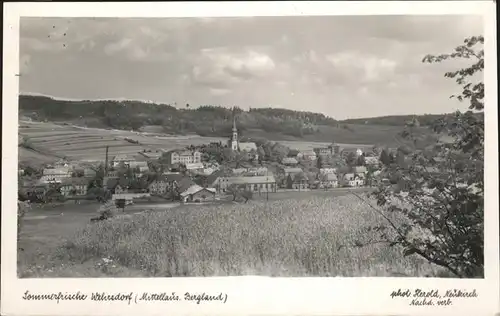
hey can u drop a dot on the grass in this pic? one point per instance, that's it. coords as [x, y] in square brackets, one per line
[313, 236]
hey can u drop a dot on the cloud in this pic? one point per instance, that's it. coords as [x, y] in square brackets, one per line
[218, 92]
[222, 67]
[363, 67]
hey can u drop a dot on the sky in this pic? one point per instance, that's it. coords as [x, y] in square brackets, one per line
[341, 66]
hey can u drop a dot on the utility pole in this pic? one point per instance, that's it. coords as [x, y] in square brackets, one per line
[106, 162]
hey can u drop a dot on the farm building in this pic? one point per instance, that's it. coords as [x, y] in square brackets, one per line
[353, 179]
[258, 171]
[55, 174]
[74, 186]
[307, 155]
[255, 183]
[183, 157]
[329, 180]
[196, 193]
[290, 161]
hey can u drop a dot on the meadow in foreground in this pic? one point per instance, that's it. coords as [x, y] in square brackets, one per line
[288, 238]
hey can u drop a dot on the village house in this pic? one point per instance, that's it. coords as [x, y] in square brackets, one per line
[122, 158]
[183, 157]
[20, 172]
[254, 183]
[74, 187]
[353, 179]
[323, 151]
[36, 190]
[372, 161]
[327, 170]
[56, 174]
[309, 155]
[162, 184]
[289, 161]
[196, 193]
[258, 171]
[298, 181]
[328, 180]
[117, 185]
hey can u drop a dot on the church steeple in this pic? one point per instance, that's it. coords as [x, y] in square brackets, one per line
[234, 139]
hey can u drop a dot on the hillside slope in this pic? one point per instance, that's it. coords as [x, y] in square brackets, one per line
[270, 123]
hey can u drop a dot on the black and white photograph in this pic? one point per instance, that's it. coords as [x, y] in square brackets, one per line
[233, 146]
[292, 146]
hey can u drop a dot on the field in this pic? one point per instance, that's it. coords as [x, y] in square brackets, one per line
[309, 236]
[88, 144]
[54, 141]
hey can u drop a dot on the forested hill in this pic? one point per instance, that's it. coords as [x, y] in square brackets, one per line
[398, 120]
[204, 120]
[268, 123]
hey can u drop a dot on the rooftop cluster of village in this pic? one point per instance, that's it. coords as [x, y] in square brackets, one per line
[205, 173]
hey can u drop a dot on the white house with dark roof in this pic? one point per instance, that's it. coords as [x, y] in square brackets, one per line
[183, 157]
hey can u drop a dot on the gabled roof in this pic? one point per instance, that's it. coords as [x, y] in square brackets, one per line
[247, 146]
[195, 189]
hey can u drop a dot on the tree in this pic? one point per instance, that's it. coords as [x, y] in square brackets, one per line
[384, 157]
[440, 197]
[22, 209]
[360, 161]
[319, 162]
[351, 159]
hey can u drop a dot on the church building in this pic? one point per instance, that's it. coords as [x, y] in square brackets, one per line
[236, 145]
